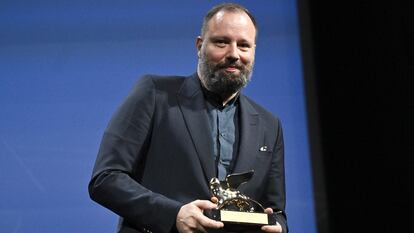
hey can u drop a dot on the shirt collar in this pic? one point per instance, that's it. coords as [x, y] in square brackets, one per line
[216, 101]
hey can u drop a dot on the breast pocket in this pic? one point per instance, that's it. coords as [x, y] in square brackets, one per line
[264, 151]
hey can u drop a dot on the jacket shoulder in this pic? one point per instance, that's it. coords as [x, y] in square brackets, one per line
[261, 110]
[163, 83]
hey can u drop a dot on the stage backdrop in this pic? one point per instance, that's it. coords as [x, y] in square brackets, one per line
[65, 66]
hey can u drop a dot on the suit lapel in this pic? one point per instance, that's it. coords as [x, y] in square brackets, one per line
[249, 136]
[192, 105]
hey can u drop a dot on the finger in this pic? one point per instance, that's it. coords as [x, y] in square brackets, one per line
[268, 211]
[214, 200]
[272, 228]
[207, 222]
[203, 204]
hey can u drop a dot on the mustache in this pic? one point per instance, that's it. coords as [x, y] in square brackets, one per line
[230, 64]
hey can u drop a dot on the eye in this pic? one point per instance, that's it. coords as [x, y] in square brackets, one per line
[244, 46]
[220, 43]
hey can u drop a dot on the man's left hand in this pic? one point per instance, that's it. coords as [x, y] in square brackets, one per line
[271, 228]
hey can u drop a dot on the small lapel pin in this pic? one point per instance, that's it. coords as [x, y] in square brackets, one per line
[263, 148]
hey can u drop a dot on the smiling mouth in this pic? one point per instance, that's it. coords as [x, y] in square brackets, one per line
[231, 69]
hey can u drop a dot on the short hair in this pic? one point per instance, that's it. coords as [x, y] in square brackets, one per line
[226, 7]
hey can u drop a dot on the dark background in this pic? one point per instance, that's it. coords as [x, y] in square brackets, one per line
[358, 59]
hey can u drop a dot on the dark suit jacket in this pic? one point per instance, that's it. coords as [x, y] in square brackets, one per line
[156, 155]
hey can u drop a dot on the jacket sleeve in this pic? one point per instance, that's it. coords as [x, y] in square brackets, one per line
[275, 194]
[120, 162]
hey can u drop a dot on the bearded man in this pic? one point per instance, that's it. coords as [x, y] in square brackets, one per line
[173, 134]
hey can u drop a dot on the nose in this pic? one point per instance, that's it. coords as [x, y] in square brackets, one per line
[233, 53]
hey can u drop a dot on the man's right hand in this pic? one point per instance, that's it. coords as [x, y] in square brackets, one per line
[190, 218]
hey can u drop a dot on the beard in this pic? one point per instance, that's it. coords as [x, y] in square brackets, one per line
[217, 80]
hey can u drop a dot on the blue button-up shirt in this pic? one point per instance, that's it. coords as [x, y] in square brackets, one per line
[224, 131]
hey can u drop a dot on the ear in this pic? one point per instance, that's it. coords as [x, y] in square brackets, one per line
[199, 44]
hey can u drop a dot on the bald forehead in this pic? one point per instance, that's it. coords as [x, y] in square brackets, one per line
[237, 18]
[243, 18]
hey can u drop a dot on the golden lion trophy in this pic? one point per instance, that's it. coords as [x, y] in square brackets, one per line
[237, 211]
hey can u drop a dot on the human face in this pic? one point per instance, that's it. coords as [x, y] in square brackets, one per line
[226, 53]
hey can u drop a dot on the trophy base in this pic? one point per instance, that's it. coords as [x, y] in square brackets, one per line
[241, 221]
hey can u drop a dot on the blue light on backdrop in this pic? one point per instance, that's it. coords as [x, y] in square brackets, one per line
[66, 66]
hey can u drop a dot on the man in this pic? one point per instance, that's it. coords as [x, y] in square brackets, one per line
[173, 134]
